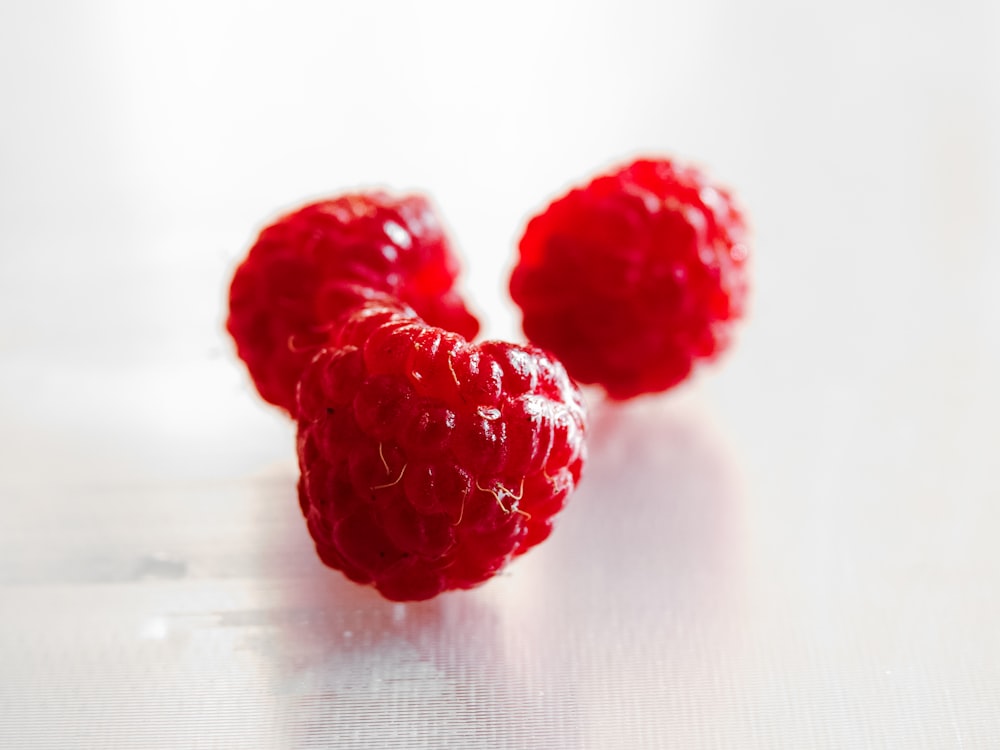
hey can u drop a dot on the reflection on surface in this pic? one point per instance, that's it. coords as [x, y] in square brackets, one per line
[644, 563]
[644, 579]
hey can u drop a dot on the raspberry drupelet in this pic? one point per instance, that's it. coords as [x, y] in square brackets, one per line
[428, 462]
[292, 283]
[634, 277]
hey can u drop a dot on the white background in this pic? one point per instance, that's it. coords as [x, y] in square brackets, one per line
[795, 550]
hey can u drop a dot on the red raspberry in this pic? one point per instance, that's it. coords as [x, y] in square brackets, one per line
[428, 462]
[632, 278]
[291, 284]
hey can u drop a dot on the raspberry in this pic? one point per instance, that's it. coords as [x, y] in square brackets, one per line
[428, 462]
[313, 264]
[634, 277]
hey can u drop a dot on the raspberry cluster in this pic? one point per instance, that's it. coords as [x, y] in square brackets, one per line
[634, 277]
[428, 461]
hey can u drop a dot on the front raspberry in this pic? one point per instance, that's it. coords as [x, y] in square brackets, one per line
[309, 266]
[634, 277]
[427, 461]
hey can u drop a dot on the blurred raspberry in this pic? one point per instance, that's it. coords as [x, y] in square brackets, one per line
[634, 277]
[428, 462]
[315, 263]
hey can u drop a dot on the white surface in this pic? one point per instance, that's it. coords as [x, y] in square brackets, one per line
[796, 551]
